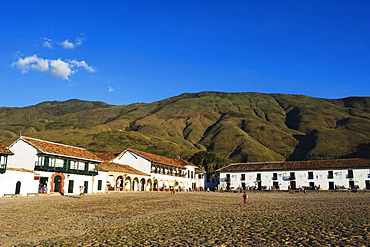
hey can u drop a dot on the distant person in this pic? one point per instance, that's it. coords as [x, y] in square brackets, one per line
[245, 197]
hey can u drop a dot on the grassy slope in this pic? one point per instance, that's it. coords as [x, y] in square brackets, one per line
[237, 126]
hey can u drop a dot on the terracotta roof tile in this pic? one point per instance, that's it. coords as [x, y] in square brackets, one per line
[157, 158]
[5, 150]
[185, 162]
[109, 156]
[60, 149]
[296, 165]
[114, 167]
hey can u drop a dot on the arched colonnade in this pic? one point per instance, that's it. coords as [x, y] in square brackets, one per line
[130, 182]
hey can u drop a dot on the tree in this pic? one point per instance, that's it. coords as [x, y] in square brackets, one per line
[207, 160]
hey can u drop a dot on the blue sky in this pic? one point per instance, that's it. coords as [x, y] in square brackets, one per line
[123, 52]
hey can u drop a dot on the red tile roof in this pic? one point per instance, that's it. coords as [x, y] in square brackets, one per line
[185, 162]
[109, 156]
[296, 165]
[114, 167]
[157, 158]
[60, 149]
[5, 150]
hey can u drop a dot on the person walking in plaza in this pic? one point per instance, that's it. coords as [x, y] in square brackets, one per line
[245, 197]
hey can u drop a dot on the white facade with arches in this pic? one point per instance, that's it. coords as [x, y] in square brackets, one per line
[166, 174]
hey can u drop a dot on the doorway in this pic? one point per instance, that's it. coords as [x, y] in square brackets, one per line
[243, 186]
[18, 187]
[57, 180]
[293, 185]
[142, 183]
[259, 185]
[70, 186]
[351, 184]
[331, 185]
[86, 186]
[312, 185]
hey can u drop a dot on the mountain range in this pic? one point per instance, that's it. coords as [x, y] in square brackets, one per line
[238, 127]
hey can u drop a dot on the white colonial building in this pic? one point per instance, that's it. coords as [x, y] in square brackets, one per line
[206, 180]
[322, 174]
[50, 167]
[11, 178]
[165, 173]
[122, 177]
[32, 166]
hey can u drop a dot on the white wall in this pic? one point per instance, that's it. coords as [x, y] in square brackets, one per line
[9, 179]
[199, 181]
[135, 161]
[320, 178]
[24, 155]
[102, 175]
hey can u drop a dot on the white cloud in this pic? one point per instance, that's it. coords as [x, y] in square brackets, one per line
[110, 89]
[66, 44]
[82, 64]
[48, 43]
[60, 69]
[55, 68]
[32, 62]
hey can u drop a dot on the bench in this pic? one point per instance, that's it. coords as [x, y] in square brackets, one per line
[32, 194]
[10, 195]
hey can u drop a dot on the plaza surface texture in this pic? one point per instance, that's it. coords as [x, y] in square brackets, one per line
[187, 219]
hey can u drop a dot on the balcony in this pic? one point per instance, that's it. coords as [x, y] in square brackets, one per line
[169, 173]
[63, 169]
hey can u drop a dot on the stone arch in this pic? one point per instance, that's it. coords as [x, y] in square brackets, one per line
[181, 186]
[176, 185]
[155, 185]
[149, 185]
[135, 184]
[110, 182]
[142, 184]
[166, 185]
[128, 183]
[119, 183]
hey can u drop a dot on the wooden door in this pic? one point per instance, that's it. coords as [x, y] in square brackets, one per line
[86, 186]
[57, 180]
[70, 186]
[331, 185]
[293, 185]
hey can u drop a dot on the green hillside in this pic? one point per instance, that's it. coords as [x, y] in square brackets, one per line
[238, 127]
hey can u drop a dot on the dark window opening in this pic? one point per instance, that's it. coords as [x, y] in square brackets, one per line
[100, 184]
[350, 173]
[70, 186]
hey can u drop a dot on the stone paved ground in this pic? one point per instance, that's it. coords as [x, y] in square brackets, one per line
[187, 219]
